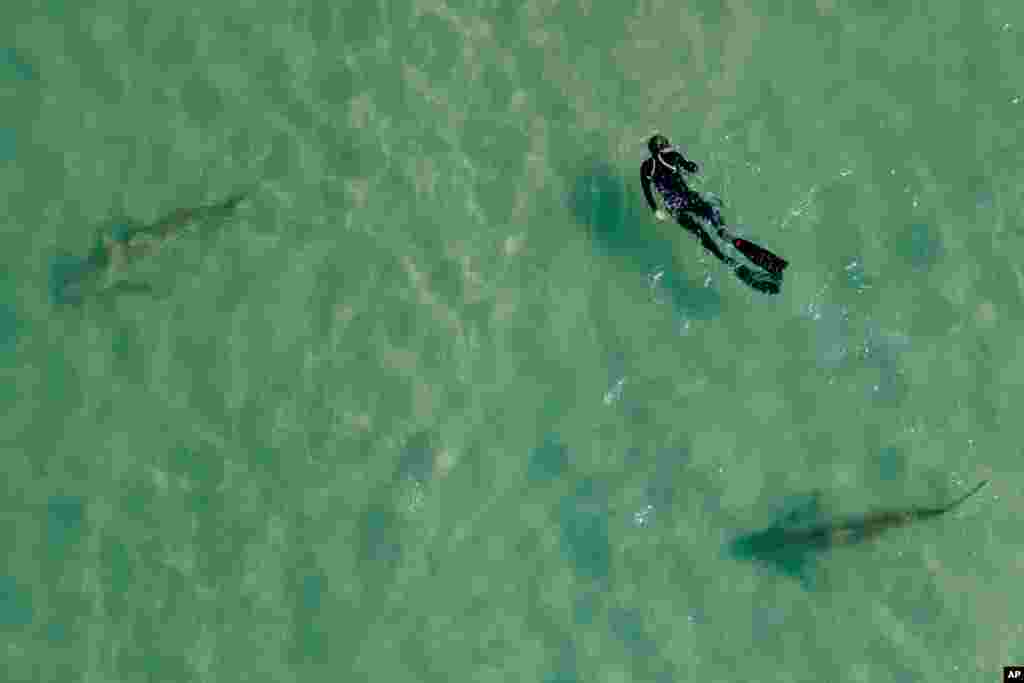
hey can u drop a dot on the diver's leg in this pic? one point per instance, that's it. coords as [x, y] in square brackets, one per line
[712, 246]
[700, 206]
[768, 285]
[690, 224]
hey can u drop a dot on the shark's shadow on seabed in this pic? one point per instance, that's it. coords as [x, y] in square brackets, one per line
[793, 543]
[117, 245]
[599, 201]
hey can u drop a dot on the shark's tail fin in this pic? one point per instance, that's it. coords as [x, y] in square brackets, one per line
[228, 205]
[934, 512]
[967, 495]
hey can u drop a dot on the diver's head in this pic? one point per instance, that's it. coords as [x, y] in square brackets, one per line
[658, 143]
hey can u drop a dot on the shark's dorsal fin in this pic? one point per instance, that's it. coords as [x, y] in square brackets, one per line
[802, 510]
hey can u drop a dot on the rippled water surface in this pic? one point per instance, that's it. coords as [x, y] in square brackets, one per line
[443, 402]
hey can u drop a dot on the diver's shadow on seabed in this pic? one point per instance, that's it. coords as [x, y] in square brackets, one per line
[599, 201]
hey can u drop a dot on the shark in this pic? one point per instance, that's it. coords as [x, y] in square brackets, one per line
[791, 545]
[99, 275]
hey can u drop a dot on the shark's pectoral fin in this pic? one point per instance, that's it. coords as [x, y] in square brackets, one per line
[799, 563]
[814, 577]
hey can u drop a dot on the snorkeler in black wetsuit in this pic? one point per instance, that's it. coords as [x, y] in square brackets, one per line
[665, 169]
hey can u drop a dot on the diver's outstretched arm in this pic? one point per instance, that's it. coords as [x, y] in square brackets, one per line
[676, 158]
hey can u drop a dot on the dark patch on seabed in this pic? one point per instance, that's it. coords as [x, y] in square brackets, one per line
[200, 465]
[586, 606]
[416, 462]
[310, 641]
[379, 554]
[379, 550]
[892, 464]
[548, 461]
[15, 604]
[688, 299]
[65, 520]
[8, 145]
[65, 269]
[854, 276]
[648, 664]
[14, 64]
[662, 481]
[881, 351]
[57, 633]
[312, 591]
[564, 668]
[599, 201]
[583, 519]
[767, 622]
[661, 488]
[10, 325]
[919, 245]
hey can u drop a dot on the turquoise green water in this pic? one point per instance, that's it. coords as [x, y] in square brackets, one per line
[442, 402]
